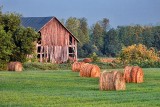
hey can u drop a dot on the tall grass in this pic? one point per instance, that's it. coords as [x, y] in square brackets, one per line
[66, 89]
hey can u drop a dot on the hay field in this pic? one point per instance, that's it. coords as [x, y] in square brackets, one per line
[63, 88]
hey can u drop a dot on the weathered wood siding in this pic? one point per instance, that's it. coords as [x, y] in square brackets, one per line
[55, 44]
[53, 33]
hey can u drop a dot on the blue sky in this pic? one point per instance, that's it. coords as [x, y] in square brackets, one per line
[119, 12]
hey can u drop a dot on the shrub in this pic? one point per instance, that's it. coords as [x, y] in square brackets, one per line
[138, 54]
[94, 57]
[3, 65]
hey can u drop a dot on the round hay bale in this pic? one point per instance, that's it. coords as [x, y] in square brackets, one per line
[119, 81]
[95, 72]
[76, 66]
[137, 74]
[15, 66]
[11, 66]
[106, 81]
[107, 60]
[140, 75]
[89, 70]
[85, 70]
[112, 81]
[133, 74]
[127, 73]
[87, 60]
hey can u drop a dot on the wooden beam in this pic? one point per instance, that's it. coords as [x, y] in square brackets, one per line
[41, 59]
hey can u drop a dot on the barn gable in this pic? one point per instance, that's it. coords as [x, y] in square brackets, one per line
[56, 43]
[37, 23]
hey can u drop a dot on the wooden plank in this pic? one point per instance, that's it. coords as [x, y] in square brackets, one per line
[76, 51]
[47, 53]
[51, 52]
[41, 59]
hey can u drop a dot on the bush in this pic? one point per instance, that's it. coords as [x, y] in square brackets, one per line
[138, 54]
[3, 65]
[94, 57]
[148, 64]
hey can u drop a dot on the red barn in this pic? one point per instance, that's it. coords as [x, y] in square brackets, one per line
[56, 43]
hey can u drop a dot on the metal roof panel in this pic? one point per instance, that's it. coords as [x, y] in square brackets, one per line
[35, 22]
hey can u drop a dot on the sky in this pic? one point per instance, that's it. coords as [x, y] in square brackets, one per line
[119, 12]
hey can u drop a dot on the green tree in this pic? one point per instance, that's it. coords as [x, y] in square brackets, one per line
[97, 36]
[24, 39]
[6, 47]
[11, 21]
[84, 29]
[79, 28]
[112, 44]
[16, 42]
[148, 37]
[156, 33]
[130, 34]
[105, 25]
[72, 24]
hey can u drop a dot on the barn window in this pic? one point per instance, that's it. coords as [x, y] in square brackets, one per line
[39, 39]
[70, 40]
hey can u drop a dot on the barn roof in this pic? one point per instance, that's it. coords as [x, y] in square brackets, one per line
[35, 22]
[38, 22]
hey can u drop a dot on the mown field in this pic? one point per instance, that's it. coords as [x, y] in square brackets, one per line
[63, 88]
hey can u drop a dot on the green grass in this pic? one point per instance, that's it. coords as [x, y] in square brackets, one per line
[66, 89]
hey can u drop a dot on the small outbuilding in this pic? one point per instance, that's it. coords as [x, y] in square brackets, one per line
[56, 43]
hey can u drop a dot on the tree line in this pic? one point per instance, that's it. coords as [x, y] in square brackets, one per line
[106, 41]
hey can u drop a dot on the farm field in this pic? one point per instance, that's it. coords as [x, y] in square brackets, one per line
[63, 88]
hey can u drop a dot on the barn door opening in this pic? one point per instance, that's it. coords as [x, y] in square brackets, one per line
[40, 49]
[72, 48]
[71, 51]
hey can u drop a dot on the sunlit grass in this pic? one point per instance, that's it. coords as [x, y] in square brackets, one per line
[66, 88]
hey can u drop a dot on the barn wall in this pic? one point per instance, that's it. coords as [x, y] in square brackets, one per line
[55, 45]
[53, 33]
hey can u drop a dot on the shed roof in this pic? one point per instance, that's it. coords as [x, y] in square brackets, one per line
[38, 22]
